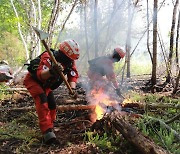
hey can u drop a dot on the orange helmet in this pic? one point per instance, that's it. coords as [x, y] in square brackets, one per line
[120, 52]
[70, 48]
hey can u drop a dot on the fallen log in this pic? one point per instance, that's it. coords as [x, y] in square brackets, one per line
[150, 105]
[155, 105]
[136, 138]
[60, 108]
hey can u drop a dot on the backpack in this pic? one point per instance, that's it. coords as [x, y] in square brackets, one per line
[33, 65]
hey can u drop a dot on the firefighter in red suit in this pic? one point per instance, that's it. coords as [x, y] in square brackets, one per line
[103, 67]
[46, 79]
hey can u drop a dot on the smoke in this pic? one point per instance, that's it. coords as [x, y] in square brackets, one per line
[101, 93]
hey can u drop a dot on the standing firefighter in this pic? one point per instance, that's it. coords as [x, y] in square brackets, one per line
[103, 66]
[43, 78]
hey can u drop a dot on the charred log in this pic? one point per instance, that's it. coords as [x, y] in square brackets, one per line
[136, 138]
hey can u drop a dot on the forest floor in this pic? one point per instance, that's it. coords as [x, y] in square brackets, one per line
[19, 131]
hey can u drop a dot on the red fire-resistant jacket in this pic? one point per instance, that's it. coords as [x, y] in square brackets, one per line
[45, 63]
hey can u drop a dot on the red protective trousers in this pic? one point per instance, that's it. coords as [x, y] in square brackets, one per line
[44, 102]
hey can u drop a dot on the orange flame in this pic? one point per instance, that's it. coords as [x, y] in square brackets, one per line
[101, 101]
[126, 101]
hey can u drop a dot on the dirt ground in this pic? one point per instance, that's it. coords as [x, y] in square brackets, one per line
[69, 127]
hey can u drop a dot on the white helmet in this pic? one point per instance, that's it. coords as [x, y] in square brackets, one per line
[70, 48]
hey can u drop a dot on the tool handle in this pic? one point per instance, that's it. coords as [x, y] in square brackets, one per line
[55, 62]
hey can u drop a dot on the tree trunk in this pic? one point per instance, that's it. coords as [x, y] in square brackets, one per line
[128, 39]
[177, 44]
[73, 6]
[52, 21]
[20, 32]
[148, 31]
[177, 83]
[153, 78]
[136, 138]
[96, 28]
[32, 17]
[85, 30]
[172, 41]
[39, 27]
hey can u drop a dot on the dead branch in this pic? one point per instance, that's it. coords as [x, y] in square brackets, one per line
[173, 119]
[155, 105]
[164, 125]
[60, 108]
[14, 89]
[135, 137]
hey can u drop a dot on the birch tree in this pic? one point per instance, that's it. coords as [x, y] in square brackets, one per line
[19, 29]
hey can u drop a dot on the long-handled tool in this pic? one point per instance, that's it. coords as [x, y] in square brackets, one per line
[42, 35]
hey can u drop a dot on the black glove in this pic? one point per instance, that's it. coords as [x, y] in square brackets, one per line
[54, 69]
[118, 92]
[74, 95]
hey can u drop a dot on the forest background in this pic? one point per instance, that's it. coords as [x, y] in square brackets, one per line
[98, 26]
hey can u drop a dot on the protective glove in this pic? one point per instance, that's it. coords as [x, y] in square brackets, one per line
[54, 69]
[118, 92]
[74, 95]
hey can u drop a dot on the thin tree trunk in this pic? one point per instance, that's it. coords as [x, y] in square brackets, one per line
[177, 44]
[32, 14]
[177, 83]
[164, 55]
[148, 32]
[96, 28]
[128, 39]
[145, 31]
[85, 30]
[20, 32]
[53, 19]
[153, 78]
[172, 41]
[73, 6]
[39, 27]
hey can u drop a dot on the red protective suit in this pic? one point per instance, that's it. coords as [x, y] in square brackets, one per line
[43, 96]
[100, 67]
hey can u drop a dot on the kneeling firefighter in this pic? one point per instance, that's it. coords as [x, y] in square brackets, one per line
[42, 78]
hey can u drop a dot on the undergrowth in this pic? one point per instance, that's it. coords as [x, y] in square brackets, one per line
[159, 134]
[19, 129]
[3, 93]
[155, 130]
[105, 142]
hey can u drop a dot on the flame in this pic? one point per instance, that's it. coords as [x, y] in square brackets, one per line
[126, 101]
[99, 112]
[101, 100]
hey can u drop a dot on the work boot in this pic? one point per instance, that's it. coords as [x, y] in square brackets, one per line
[50, 138]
